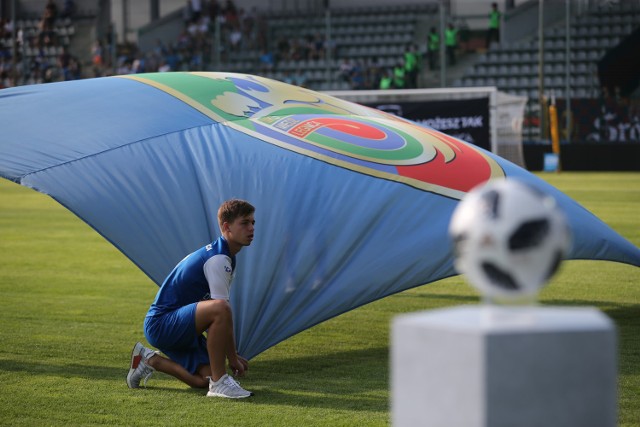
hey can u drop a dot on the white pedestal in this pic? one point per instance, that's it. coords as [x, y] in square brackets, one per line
[504, 366]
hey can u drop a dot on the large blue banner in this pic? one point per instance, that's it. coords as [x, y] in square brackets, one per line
[352, 204]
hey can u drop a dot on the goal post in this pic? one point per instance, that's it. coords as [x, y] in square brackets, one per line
[504, 113]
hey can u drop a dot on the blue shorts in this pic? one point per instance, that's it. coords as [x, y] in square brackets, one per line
[174, 333]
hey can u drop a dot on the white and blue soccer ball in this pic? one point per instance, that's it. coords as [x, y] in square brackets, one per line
[509, 238]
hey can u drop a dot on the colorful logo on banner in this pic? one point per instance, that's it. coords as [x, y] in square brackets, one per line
[335, 131]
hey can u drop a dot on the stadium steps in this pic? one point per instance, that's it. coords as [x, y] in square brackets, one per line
[514, 67]
[359, 33]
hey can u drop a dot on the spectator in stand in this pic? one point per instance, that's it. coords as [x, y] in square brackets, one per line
[230, 14]
[183, 40]
[283, 49]
[451, 43]
[75, 68]
[50, 14]
[68, 9]
[214, 10]
[5, 81]
[5, 55]
[20, 36]
[249, 27]
[5, 31]
[346, 68]
[172, 59]
[493, 34]
[266, 61]
[317, 47]
[64, 63]
[160, 49]
[386, 81]
[97, 58]
[295, 50]
[196, 63]
[40, 64]
[50, 75]
[399, 75]
[433, 48]
[196, 10]
[152, 61]
[235, 38]
[47, 24]
[124, 66]
[300, 78]
[306, 46]
[373, 74]
[139, 64]
[357, 76]
[288, 78]
[199, 28]
[164, 67]
[411, 66]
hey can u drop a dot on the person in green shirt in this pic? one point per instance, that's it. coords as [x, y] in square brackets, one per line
[493, 34]
[433, 46]
[386, 81]
[451, 43]
[411, 66]
[399, 75]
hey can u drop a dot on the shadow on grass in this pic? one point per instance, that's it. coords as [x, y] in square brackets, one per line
[446, 297]
[65, 371]
[269, 396]
[349, 380]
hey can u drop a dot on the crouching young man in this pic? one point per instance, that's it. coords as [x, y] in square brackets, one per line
[193, 299]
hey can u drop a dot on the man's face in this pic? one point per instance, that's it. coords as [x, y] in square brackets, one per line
[241, 230]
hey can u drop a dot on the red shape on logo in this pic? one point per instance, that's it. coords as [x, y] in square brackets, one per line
[466, 170]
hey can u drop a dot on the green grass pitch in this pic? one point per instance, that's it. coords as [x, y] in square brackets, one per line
[71, 308]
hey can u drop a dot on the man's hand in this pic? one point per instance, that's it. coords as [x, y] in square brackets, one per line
[239, 366]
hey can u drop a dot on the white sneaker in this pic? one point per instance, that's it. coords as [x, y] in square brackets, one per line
[139, 368]
[227, 387]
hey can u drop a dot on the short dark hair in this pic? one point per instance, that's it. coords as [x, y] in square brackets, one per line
[232, 209]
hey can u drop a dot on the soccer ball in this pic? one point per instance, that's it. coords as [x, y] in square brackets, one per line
[509, 238]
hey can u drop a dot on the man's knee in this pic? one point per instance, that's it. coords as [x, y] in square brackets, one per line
[211, 311]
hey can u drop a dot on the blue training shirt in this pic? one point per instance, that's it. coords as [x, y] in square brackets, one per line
[204, 274]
